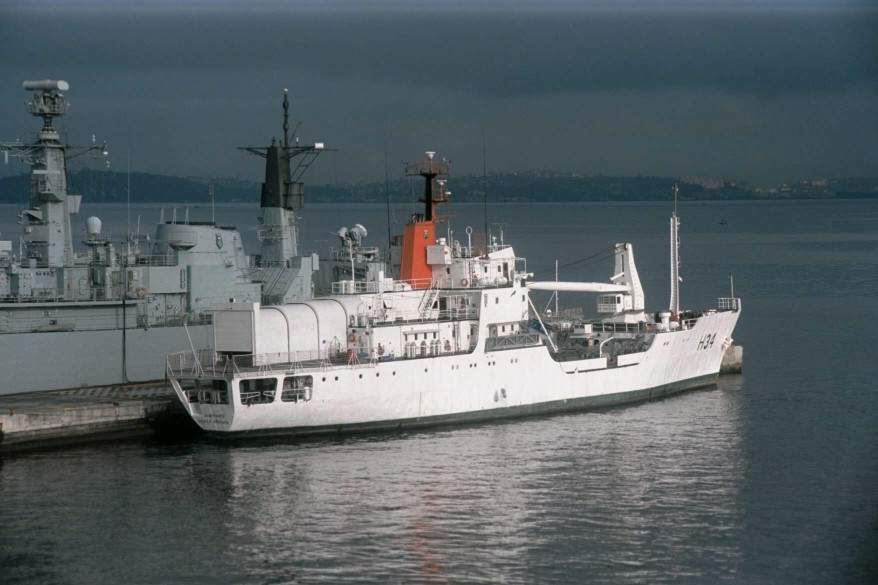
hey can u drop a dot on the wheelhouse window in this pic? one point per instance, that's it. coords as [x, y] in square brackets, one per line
[297, 388]
[257, 390]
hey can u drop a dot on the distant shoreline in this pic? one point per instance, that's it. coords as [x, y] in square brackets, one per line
[111, 187]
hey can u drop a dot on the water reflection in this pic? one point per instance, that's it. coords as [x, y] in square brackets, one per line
[625, 494]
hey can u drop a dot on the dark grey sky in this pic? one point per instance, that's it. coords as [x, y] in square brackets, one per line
[695, 89]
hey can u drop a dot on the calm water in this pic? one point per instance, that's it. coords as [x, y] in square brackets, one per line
[770, 477]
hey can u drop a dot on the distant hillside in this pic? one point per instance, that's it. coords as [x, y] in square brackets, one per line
[103, 186]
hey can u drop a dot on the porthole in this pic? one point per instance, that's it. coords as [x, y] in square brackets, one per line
[361, 376]
[323, 379]
[336, 378]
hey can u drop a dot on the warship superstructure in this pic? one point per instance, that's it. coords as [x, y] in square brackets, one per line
[455, 338]
[108, 312]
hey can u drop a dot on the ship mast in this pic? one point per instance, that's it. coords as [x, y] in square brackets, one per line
[283, 192]
[48, 238]
[676, 279]
[429, 169]
[420, 232]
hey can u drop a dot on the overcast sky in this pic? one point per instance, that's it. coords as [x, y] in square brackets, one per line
[683, 88]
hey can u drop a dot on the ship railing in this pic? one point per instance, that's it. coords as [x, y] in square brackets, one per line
[346, 287]
[52, 295]
[380, 316]
[207, 363]
[350, 287]
[728, 304]
[210, 363]
[287, 361]
[513, 341]
[602, 327]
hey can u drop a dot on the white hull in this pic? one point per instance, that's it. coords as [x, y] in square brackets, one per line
[477, 386]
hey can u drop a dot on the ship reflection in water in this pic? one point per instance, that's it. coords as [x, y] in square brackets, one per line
[634, 493]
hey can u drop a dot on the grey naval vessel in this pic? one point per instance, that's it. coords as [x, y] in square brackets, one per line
[107, 312]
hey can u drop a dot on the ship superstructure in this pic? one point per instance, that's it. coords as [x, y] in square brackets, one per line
[108, 311]
[456, 337]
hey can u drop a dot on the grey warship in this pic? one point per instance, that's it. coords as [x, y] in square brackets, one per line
[107, 312]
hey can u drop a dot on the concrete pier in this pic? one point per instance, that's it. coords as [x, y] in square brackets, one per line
[62, 417]
[733, 360]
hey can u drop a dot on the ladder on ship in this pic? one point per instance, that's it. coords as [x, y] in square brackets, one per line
[431, 295]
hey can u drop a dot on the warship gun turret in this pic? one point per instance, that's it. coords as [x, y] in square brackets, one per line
[107, 313]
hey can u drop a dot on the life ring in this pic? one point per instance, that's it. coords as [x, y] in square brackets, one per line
[464, 282]
[141, 292]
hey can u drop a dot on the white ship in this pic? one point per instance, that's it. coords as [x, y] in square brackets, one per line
[455, 338]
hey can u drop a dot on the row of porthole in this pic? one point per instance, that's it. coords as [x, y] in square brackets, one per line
[377, 374]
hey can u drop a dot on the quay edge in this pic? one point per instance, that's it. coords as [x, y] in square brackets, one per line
[69, 417]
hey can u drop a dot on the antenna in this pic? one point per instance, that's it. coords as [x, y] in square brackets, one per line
[210, 194]
[485, 189]
[675, 258]
[676, 192]
[556, 292]
[387, 198]
[128, 204]
[286, 118]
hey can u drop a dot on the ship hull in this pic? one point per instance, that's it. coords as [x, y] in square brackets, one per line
[579, 404]
[478, 386]
[56, 360]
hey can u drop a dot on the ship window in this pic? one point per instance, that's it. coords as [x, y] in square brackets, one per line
[434, 335]
[297, 388]
[207, 392]
[496, 300]
[220, 392]
[257, 390]
[618, 299]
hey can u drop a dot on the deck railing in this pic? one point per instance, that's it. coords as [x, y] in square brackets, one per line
[513, 341]
[728, 304]
[347, 287]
